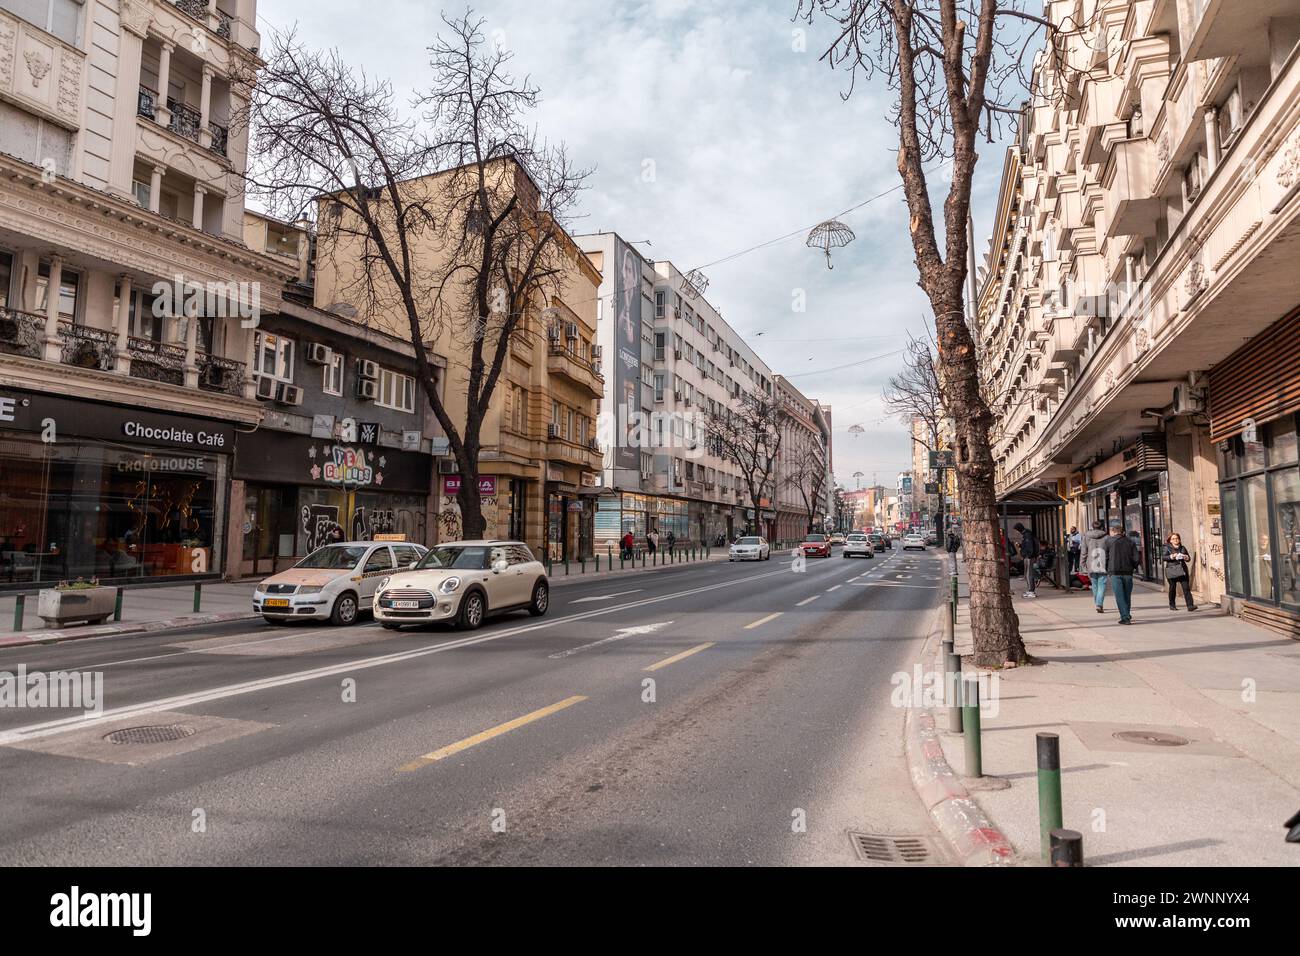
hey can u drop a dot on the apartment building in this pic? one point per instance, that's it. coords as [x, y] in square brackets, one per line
[802, 465]
[670, 361]
[128, 298]
[1137, 315]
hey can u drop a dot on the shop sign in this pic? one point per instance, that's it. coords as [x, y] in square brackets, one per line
[411, 439]
[368, 433]
[575, 505]
[63, 417]
[590, 479]
[487, 485]
[554, 472]
[322, 426]
[346, 466]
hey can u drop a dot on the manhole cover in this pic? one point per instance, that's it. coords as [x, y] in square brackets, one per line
[153, 734]
[1151, 738]
[892, 850]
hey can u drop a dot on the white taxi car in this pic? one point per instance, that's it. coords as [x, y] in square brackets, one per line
[334, 582]
[749, 548]
[463, 582]
[911, 541]
[858, 545]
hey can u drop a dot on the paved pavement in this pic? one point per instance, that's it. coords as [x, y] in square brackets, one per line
[704, 714]
[1229, 689]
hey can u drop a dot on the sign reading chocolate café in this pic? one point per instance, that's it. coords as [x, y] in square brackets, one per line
[72, 418]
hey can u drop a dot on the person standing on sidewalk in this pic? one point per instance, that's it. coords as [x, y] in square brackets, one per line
[1073, 548]
[1122, 558]
[1176, 558]
[1095, 541]
[628, 543]
[1029, 551]
[652, 541]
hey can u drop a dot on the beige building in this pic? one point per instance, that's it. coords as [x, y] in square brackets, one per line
[802, 465]
[1137, 312]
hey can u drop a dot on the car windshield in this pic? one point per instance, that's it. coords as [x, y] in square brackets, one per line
[334, 557]
[460, 558]
[815, 537]
[747, 541]
[857, 537]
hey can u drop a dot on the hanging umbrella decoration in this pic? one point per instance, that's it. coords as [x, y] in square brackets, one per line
[696, 283]
[856, 430]
[829, 235]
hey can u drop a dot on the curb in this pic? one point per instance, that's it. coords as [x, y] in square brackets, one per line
[577, 577]
[968, 830]
[112, 630]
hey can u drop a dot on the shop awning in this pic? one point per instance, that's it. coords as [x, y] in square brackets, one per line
[1031, 498]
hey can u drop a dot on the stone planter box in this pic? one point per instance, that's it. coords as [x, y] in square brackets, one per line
[92, 605]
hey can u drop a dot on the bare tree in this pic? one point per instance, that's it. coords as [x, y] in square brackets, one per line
[805, 471]
[452, 221]
[913, 394]
[957, 68]
[750, 434]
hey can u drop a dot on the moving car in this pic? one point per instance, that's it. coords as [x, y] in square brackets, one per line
[858, 545]
[463, 582]
[877, 540]
[887, 540]
[913, 541]
[816, 546]
[335, 582]
[837, 538]
[749, 548]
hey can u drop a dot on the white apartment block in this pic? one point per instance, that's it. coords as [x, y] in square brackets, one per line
[1138, 314]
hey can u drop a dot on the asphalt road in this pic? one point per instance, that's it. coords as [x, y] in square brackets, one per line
[709, 714]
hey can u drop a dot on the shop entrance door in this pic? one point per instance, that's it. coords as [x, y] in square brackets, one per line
[1154, 536]
[268, 525]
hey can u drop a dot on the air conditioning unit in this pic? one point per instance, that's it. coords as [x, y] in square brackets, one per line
[677, 396]
[288, 394]
[596, 353]
[570, 330]
[553, 430]
[266, 387]
[448, 466]
[367, 389]
[319, 354]
[553, 331]
[1188, 400]
[677, 354]
[367, 369]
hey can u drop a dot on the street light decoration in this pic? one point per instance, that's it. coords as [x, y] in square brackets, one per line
[829, 235]
[696, 283]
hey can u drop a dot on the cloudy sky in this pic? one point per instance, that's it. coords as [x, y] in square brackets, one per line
[712, 127]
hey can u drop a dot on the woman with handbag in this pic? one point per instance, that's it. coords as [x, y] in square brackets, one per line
[1176, 558]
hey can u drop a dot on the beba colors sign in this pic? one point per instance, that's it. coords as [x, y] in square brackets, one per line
[487, 485]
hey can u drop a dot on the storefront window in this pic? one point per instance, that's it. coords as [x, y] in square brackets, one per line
[1259, 556]
[1286, 512]
[1232, 539]
[1283, 442]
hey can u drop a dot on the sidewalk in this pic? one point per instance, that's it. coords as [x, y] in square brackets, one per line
[1213, 793]
[172, 606]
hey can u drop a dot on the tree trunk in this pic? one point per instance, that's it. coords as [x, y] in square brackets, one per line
[995, 628]
[473, 527]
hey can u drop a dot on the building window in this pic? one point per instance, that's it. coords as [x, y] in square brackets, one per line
[659, 305]
[660, 339]
[70, 281]
[332, 383]
[273, 356]
[396, 391]
[59, 17]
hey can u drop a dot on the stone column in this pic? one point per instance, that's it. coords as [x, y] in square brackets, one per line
[205, 107]
[1212, 138]
[155, 188]
[191, 350]
[125, 111]
[124, 294]
[199, 191]
[52, 344]
[162, 113]
[250, 383]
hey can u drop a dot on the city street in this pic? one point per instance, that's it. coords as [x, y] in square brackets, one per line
[716, 714]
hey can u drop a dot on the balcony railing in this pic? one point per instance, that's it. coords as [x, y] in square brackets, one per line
[186, 120]
[197, 9]
[220, 136]
[20, 332]
[217, 374]
[87, 347]
[156, 361]
[223, 25]
[147, 104]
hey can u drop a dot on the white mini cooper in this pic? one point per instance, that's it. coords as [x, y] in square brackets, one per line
[463, 582]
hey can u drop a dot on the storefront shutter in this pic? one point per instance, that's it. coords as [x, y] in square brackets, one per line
[1261, 380]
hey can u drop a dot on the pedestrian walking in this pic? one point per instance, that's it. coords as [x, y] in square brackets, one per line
[1074, 548]
[1095, 562]
[652, 541]
[1029, 551]
[672, 539]
[1176, 573]
[628, 543]
[1122, 559]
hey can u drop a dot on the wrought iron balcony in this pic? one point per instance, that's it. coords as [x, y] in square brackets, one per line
[220, 136]
[217, 374]
[156, 361]
[147, 103]
[198, 9]
[87, 347]
[186, 120]
[21, 332]
[223, 25]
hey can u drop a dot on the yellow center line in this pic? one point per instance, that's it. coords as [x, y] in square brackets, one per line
[497, 731]
[677, 657]
[763, 620]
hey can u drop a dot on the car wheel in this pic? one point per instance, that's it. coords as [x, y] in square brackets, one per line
[541, 599]
[345, 609]
[471, 611]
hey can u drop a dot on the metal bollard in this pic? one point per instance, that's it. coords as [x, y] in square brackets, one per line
[598, 564]
[1067, 848]
[620, 559]
[952, 685]
[970, 717]
[566, 565]
[20, 608]
[117, 606]
[198, 597]
[583, 562]
[1049, 791]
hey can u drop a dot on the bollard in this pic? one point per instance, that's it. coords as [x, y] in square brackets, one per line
[620, 559]
[584, 565]
[1067, 848]
[598, 564]
[20, 607]
[566, 565]
[198, 597]
[970, 718]
[117, 606]
[1049, 791]
[952, 685]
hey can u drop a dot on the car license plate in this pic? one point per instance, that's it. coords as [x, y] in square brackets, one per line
[276, 602]
[406, 605]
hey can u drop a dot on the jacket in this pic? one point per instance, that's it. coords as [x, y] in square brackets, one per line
[1122, 555]
[1183, 555]
[1029, 546]
[1094, 548]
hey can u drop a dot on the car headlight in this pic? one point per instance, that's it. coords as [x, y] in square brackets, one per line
[310, 589]
[383, 583]
[449, 585]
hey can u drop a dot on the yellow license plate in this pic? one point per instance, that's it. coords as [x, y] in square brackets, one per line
[276, 602]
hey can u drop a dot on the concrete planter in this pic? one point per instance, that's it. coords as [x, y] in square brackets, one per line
[92, 605]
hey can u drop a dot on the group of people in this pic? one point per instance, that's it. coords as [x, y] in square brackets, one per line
[627, 545]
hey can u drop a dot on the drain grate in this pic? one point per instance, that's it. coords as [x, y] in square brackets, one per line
[892, 850]
[1151, 738]
[150, 734]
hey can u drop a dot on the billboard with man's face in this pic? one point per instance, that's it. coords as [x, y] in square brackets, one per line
[627, 353]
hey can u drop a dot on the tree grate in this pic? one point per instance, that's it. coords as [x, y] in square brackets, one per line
[150, 734]
[892, 850]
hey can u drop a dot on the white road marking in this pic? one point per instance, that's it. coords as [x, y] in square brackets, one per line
[620, 634]
[808, 600]
[835, 588]
[606, 597]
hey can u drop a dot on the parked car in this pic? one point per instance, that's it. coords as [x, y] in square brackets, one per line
[887, 540]
[464, 582]
[816, 545]
[858, 545]
[336, 582]
[749, 548]
[913, 541]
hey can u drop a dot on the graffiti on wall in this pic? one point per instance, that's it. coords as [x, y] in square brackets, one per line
[320, 525]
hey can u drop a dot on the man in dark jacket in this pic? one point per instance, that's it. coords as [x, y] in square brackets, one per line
[1122, 559]
[1029, 551]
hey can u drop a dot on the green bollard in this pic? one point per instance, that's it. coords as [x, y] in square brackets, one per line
[952, 683]
[20, 608]
[117, 606]
[566, 565]
[1049, 791]
[198, 597]
[970, 718]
